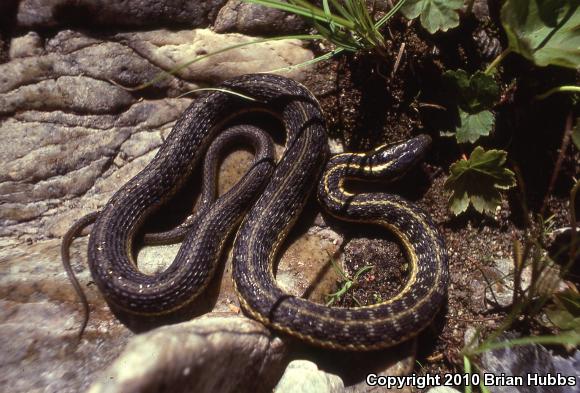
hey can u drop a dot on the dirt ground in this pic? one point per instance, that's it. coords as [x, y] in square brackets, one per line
[376, 101]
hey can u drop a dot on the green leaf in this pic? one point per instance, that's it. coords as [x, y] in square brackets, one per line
[479, 181]
[570, 300]
[544, 31]
[476, 92]
[562, 318]
[435, 14]
[473, 125]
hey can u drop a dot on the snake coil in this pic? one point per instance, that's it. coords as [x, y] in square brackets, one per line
[267, 201]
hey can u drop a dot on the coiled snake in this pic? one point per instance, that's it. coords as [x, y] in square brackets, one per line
[265, 221]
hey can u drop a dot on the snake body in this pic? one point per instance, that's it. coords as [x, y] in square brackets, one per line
[266, 220]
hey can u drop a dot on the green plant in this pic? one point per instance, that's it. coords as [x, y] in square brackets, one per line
[475, 97]
[346, 23]
[558, 89]
[434, 15]
[347, 283]
[478, 181]
[543, 31]
[562, 309]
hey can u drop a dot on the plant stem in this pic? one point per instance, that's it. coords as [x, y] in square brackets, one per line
[558, 89]
[496, 61]
[563, 147]
[573, 222]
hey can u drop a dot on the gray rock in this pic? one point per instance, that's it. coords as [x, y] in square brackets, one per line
[39, 324]
[211, 354]
[519, 361]
[303, 376]
[27, 45]
[75, 93]
[255, 19]
[73, 133]
[171, 49]
[501, 276]
[130, 13]
[74, 54]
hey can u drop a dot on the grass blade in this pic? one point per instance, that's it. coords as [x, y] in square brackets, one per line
[312, 61]
[390, 14]
[571, 338]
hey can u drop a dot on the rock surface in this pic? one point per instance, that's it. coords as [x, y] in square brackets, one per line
[531, 359]
[210, 354]
[302, 376]
[69, 132]
[132, 13]
[255, 19]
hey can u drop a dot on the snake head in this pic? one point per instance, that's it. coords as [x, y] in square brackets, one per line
[393, 160]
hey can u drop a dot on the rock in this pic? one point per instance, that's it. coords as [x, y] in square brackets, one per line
[74, 133]
[519, 361]
[500, 293]
[396, 361]
[39, 324]
[442, 389]
[255, 19]
[171, 49]
[92, 62]
[212, 354]
[131, 13]
[75, 93]
[27, 45]
[302, 376]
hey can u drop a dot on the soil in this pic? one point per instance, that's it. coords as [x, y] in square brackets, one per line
[378, 100]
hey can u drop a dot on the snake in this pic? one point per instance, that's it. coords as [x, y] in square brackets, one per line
[261, 210]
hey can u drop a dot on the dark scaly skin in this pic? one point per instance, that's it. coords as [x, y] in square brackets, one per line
[363, 328]
[268, 222]
[110, 260]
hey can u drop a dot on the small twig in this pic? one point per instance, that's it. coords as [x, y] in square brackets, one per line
[573, 223]
[564, 146]
[430, 105]
[398, 60]
[435, 358]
